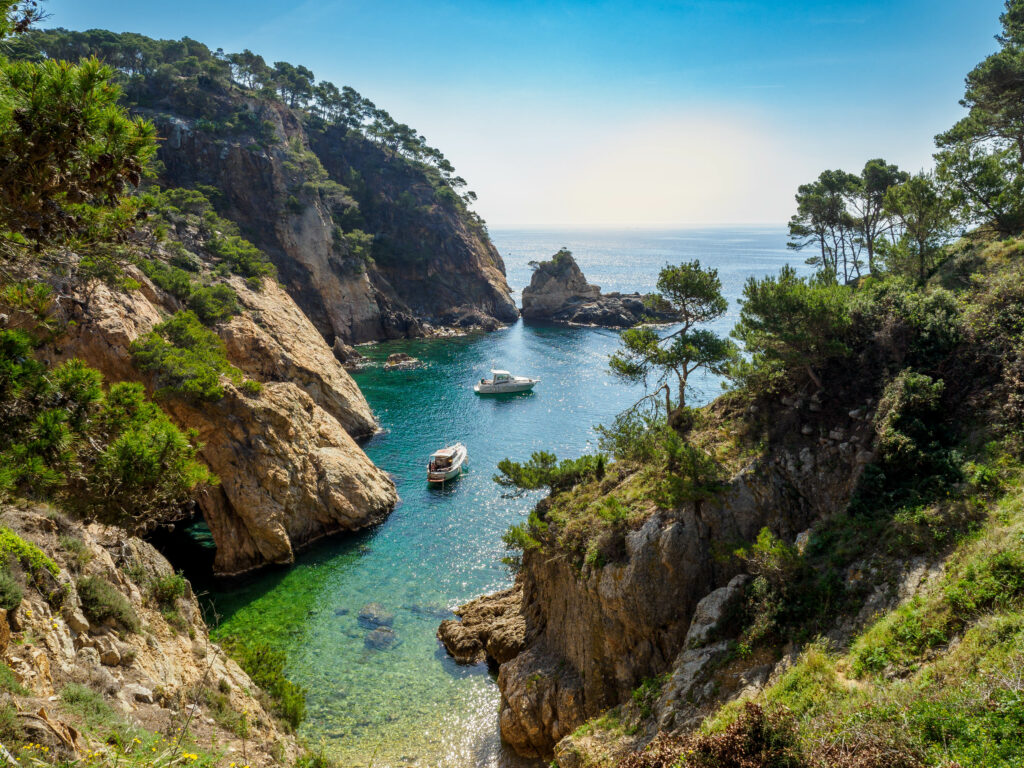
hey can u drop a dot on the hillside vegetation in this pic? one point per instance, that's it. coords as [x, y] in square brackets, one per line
[889, 633]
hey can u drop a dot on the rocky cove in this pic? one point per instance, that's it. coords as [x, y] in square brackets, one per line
[440, 548]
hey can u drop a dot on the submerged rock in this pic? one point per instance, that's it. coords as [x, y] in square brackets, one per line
[374, 615]
[400, 360]
[558, 292]
[381, 639]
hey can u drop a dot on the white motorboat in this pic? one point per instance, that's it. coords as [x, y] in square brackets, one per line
[447, 463]
[503, 382]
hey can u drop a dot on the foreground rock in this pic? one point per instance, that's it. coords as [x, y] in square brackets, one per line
[491, 626]
[166, 677]
[558, 292]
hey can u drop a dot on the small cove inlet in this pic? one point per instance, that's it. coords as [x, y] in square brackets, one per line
[410, 704]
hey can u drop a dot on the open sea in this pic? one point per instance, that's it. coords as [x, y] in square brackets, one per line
[411, 705]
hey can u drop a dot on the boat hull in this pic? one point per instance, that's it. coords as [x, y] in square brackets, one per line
[504, 389]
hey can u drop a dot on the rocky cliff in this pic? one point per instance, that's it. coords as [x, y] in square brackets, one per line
[586, 635]
[107, 654]
[290, 471]
[558, 292]
[425, 264]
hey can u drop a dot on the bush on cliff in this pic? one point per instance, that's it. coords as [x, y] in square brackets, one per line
[544, 470]
[111, 455]
[185, 359]
[102, 601]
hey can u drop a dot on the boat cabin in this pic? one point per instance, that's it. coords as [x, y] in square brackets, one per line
[442, 459]
[500, 376]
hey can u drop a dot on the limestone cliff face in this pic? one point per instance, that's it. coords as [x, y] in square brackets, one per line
[290, 470]
[428, 263]
[164, 677]
[592, 635]
[559, 292]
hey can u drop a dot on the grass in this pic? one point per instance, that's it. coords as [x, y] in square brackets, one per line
[101, 601]
[939, 680]
[9, 681]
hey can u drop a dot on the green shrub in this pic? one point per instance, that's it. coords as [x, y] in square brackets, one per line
[213, 303]
[11, 593]
[79, 554]
[544, 470]
[112, 455]
[90, 706]
[173, 280]
[185, 358]
[166, 590]
[243, 257]
[101, 601]
[252, 387]
[31, 557]
[11, 733]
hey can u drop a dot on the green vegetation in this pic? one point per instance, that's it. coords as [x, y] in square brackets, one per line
[69, 150]
[185, 359]
[265, 666]
[101, 601]
[695, 294]
[11, 593]
[544, 470]
[188, 77]
[113, 455]
[165, 591]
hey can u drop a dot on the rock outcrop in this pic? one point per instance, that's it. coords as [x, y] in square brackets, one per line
[290, 471]
[558, 292]
[592, 635]
[164, 677]
[426, 262]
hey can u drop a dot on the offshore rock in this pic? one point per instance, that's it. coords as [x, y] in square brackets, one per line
[558, 292]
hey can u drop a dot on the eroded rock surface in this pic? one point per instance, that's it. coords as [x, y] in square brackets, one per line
[490, 626]
[154, 676]
[290, 471]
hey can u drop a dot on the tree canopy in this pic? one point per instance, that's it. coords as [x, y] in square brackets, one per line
[695, 293]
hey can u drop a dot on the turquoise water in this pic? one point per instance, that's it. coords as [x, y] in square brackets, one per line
[410, 704]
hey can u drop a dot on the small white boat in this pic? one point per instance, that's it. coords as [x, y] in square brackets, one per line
[503, 382]
[447, 463]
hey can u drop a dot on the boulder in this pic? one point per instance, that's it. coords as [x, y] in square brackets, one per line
[373, 615]
[400, 360]
[381, 639]
[712, 610]
[490, 626]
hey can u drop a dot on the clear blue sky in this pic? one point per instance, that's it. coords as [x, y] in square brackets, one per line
[617, 113]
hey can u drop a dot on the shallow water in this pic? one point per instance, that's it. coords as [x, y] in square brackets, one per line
[410, 704]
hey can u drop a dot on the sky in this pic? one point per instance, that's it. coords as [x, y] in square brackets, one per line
[571, 114]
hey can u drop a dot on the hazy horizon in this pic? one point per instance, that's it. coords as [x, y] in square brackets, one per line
[574, 114]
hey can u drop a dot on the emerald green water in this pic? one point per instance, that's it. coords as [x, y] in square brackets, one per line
[411, 704]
